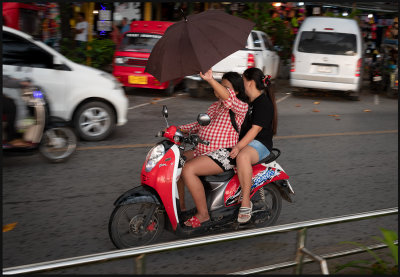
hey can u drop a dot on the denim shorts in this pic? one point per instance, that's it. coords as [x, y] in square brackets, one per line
[262, 151]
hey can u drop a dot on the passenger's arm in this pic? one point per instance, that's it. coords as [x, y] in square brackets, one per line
[250, 135]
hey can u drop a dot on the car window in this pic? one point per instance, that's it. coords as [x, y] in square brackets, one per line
[267, 43]
[21, 52]
[327, 43]
[256, 40]
[139, 42]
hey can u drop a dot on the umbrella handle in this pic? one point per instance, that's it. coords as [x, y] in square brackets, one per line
[184, 16]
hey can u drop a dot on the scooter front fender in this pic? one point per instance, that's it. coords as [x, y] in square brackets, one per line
[135, 195]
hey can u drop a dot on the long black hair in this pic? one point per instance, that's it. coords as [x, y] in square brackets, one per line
[263, 83]
[237, 83]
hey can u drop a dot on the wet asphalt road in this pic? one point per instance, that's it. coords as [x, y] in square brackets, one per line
[341, 156]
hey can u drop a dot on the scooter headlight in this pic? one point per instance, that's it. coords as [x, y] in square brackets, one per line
[154, 156]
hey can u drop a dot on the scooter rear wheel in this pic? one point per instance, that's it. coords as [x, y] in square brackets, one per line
[267, 207]
[126, 226]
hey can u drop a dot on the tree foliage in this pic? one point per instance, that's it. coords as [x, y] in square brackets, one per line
[276, 28]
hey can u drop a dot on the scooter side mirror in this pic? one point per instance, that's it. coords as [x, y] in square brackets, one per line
[165, 111]
[203, 119]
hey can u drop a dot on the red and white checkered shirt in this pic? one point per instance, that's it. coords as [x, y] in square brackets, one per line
[220, 132]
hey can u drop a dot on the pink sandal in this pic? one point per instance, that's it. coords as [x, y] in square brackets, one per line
[194, 222]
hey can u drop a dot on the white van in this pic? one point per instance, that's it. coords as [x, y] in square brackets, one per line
[328, 54]
[91, 100]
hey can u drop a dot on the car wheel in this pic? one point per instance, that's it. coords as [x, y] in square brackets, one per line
[94, 121]
[169, 91]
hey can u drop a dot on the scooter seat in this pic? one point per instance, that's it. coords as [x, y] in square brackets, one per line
[226, 175]
[271, 157]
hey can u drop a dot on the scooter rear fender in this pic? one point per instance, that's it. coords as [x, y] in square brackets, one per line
[137, 194]
[284, 190]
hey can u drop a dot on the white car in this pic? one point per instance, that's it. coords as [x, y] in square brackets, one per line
[259, 52]
[91, 100]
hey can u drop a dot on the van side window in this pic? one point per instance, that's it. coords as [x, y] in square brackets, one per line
[20, 52]
[327, 43]
[256, 40]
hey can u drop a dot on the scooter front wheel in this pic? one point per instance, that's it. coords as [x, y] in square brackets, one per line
[136, 224]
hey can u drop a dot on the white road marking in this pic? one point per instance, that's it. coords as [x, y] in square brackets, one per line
[141, 105]
[283, 98]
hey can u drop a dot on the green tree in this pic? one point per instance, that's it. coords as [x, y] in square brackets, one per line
[276, 28]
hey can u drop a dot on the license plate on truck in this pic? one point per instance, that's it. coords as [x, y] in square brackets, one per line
[138, 80]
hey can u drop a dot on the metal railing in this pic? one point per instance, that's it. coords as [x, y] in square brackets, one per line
[140, 252]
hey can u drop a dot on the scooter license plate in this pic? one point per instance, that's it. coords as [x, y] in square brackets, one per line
[377, 78]
[138, 80]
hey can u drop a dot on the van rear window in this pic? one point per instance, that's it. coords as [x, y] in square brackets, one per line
[327, 43]
[138, 42]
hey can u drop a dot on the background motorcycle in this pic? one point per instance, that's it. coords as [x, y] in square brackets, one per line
[141, 214]
[49, 135]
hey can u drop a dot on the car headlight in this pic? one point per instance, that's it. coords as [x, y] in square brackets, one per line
[154, 156]
[119, 60]
[110, 77]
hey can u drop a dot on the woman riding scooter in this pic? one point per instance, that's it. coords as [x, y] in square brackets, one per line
[220, 133]
[12, 111]
[29, 111]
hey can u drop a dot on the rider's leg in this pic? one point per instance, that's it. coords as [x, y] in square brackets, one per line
[244, 160]
[10, 110]
[199, 166]
[181, 185]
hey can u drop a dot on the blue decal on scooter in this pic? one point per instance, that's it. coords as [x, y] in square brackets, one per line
[258, 180]
[263, 176]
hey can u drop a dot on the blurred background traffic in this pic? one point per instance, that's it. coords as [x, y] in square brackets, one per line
[118, 37]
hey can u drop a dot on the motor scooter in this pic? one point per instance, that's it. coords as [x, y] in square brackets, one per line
[142, 213]
[49, 135]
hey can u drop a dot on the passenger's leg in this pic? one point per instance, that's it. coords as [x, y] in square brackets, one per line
[244, 160]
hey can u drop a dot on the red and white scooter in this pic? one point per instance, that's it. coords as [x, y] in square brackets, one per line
[141, 214]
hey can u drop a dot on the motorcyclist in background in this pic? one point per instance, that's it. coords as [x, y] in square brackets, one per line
[13, 108]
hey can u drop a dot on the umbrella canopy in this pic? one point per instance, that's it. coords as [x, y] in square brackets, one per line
[197, 43]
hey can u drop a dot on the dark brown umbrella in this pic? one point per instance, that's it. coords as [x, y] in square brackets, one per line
[197, 43]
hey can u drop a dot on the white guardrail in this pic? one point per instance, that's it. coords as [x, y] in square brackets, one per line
[140, 252]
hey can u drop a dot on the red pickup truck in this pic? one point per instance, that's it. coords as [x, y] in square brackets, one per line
[132, 53]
